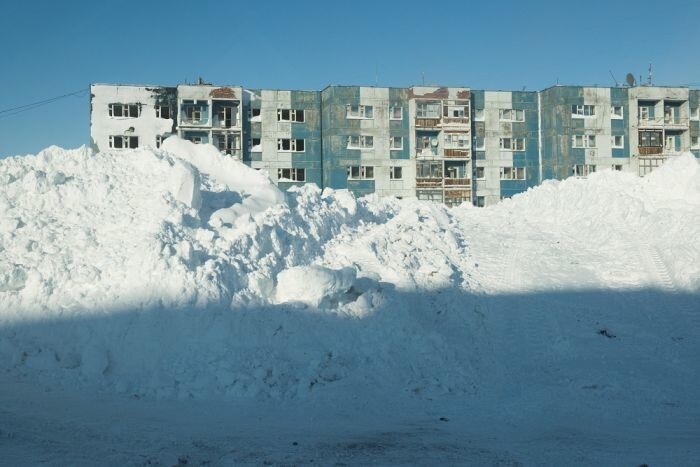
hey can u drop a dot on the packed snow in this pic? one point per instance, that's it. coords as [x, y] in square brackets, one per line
[556, 327]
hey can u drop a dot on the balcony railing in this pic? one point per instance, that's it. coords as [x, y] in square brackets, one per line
[462, 153]
[457, 182]
[455, 120]
[426, 182]
[427, 122]
[665, 121]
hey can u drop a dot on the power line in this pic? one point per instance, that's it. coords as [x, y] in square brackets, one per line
[26, 107]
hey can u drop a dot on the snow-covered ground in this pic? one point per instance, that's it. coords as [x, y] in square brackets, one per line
[173, 306]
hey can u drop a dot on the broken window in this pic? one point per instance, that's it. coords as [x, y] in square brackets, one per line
[512, 144]
[286, 144]
[293, 174]
[583, 141]
[512, 173]
[396, 173]
[125, 110]
[456, 140]
[616, 111]
[479, 115]
[160, 139]
[480, 144]
[480, 173]
[583, 170]
[396, 142]
[290, 115]
[359, 111]
[694, 142]
[429, 169]
[255, 144]
[618, 141]
[193, 113]
[253, 112]
[123, 142]
[582, 110]
[396, 113]
[195, 139]
[359, 172]
[225, 116]
[694, 113]
[455, 109]
[428, 110]
[480, 201]
[163, 111]
[617, 167]
[360, 142]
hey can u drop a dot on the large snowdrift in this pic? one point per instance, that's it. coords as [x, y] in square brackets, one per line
[181, 273]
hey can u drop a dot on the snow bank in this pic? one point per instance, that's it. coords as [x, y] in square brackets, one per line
[182, 273]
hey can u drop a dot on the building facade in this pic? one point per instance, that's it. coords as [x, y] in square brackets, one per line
[446, 144]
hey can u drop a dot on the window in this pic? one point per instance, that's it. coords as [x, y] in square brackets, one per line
[163, 111]
[160, 139]
[694, 142]
[429, 169]
[360, 142]
[195, 139]
[455, 109]
[193, 113]
[583, 141]
[511, 115]
[480, 173]
[428, 110]
[650, 138]
[456, 140]
[582, 170]
[295, 175]
[360, 172]
[291, 145]
[290, 115]
[616, 111]
[480, 145]
[255, 144]
[125, 110]
[479, 115]
[512, 173]
[396, 173]
[123, 142]
[396, 113]
[617, 167]
[644, 113]
[480, 201]
[396, 142]
[359, 111]
[618, 141]
[694, 113]
[253, 113]
[582, 110]
[512, 144]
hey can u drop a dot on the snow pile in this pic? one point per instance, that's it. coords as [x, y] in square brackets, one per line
[182, 273]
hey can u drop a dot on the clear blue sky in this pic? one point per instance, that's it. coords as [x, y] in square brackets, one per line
[51, 48]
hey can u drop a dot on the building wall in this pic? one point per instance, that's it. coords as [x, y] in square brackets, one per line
[548, 130]
[146, 126]
[269, 130]
[337, 128]
[489, 129]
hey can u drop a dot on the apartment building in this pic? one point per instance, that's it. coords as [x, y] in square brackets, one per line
[446, 144]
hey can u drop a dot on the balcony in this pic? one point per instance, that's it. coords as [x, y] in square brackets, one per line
[425, 122]
[457, 182]
[455, 121]
[428, 182]
[454, 153]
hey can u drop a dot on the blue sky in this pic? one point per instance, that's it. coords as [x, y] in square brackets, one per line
[52, 48]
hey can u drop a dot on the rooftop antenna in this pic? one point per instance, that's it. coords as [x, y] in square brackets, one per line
[613, 77]
[423, 75]
[649, 79]
[629, 79]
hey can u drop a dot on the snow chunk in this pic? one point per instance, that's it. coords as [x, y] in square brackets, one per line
[313, 284]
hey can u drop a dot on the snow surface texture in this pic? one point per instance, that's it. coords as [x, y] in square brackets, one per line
[178, 273]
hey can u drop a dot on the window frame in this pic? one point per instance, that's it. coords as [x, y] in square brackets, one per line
[293, 115]
[364, 112]
[392, 112]
[364, 172]
[513, 173]
[362, 142]
[392, 172]
[124, 109]
[583, 110]
[296, 174]
[616, 116]
[392, 146]
[123, 138]
[293, 145]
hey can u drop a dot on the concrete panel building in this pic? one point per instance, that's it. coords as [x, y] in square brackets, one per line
[446, 144]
